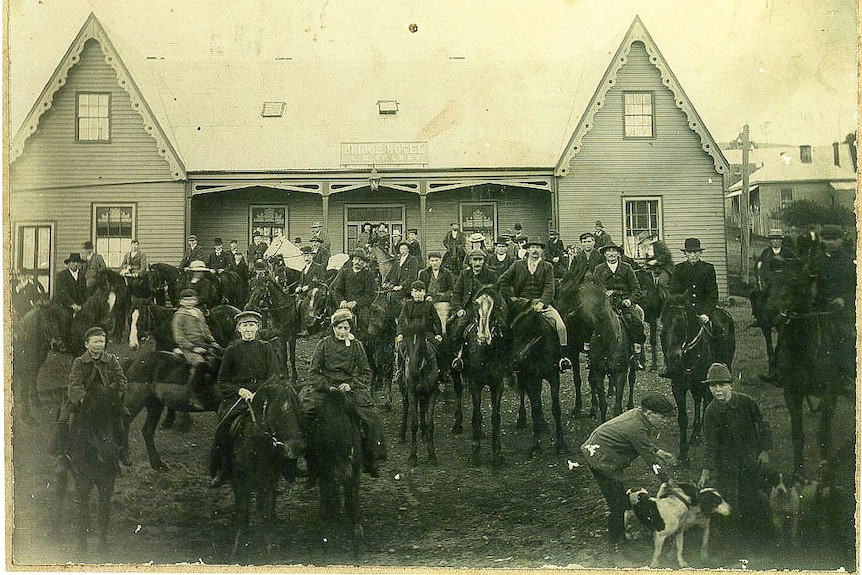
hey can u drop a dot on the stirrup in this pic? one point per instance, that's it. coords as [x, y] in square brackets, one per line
[458, 363]
[564, 364]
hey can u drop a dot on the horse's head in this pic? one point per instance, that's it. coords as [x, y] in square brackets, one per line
[279, 407]
[414, 350]
[314, 307]
[259, 297]
[489, 311]
[98, 442]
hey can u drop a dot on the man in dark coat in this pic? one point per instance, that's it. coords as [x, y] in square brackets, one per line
[555, 249]
[94, 265]
[622, 286]
[533, 279]
[321, 252]
[413, 244]
[737, 441]
[602, 237]
[219, 260]
[70, 286]
[468, 284]
[418, 318]
[257, 248]
[354, 286]
[404, 270]
[247, 363]
[317, 232]
[439, 284]
[311, 274]
[500, 260]
[698, 278]
[193, 252]
[772, 259]
[587, 259]
[454, 238]
[240, 264]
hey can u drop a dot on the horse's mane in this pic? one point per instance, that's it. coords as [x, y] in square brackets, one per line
[662, 254]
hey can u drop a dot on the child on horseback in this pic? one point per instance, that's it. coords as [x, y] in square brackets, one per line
[339, 363]
[194, 338]
[418, 318]
[95, 367]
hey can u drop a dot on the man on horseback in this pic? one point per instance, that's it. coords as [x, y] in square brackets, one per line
[257, 248]
[622, 287]
[439, 284]
[240, 265]
[95, 367]
[193, 336]
[70, 287]
[418, 318]
[316, 232]
[193, 253]
[772, 259]
[200, 284]
[404, 271]
[321, 252]
[500, 260]
[134, 262]
[219, 260]
[312, 273]
[340, 362]
[533, 279]
[94, 265]
[468, 284]
[248, 363]
[454, 238]
[555, 249]
[697, 278]
[587, 259]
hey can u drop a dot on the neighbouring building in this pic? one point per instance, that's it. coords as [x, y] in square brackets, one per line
[155, 149]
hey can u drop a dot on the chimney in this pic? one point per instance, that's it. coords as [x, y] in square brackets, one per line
[805, 154]
[836, 153]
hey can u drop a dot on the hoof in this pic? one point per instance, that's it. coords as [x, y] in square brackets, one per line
[457, 429]
[475, 460]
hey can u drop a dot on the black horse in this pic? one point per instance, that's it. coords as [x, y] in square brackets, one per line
[98, 310]
[267, 440]
[315, 308]
[453, 260]
[38, 332]
[488, 344]
[375, 327]
[334, 448]
[96, 441]
[418, 389]
[654, 290]
[536, 353]
[281, 314]
[110, 281]
[164, 282]
[579, 326]
[24, 294]
[610, 352]
[232, 288]
[690, 347]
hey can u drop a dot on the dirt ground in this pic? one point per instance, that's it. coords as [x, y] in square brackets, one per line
[530, 513]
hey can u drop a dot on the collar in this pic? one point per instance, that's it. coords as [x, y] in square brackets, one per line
[613, 267]
[732, 404]
[87, 358]
[75, 273]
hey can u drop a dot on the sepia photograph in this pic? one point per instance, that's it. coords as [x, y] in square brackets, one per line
[378, 286]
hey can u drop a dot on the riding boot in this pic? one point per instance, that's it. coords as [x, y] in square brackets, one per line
[195, 401]
[219, 468]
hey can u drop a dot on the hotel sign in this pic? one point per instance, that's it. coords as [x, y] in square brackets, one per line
[384, 153]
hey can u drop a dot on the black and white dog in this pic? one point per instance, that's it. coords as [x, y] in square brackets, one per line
[676, 508]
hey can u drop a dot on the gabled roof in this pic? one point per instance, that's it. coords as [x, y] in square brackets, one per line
[93, 30]
[638, 33]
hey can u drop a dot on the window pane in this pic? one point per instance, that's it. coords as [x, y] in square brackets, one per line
[28, 248]
[44, 248]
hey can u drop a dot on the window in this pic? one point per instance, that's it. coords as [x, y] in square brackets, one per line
[786, 197]
[266, 219]
[479, 217]
[272, 109]
[34, 252]
[93, 116]
[114, 230]
[642, 222]
[805, 154]
[638, 114]
[355, 216]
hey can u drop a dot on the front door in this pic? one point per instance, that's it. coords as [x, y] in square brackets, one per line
[356, 215]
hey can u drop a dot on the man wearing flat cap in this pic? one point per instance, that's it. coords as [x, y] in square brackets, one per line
[247, 363]
[413, 244]
[737, 441]
[587, 259]
[468, 284]
[615, 444]
[70, 285]
[94, 265]
[194, 251]
[533, 279]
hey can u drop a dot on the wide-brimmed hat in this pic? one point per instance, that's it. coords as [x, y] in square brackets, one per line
[775, 234]
[358, 253]
[610, 246]
[657, 403]
[247, 315]
[188, 292]
[260, 266]
[535, 241]
[402, 243]
[193, 237]
[692, 245]
[418, 284]
[477, 254]
[197, 266]
[74, 257]
[718, 373]
[317, 239]
[218, 242]
[340, 316]
[475, 238]
[317, 224]
[599, 224]
[306, 250]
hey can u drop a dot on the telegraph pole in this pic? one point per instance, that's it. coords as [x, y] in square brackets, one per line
[744, 221]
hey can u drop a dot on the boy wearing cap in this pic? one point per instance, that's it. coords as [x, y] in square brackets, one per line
[193, 252]
[70, 285]
[418, 318]
[219, 260]
[96, 367]
[737, 441]
[257, 248]
[240, 265]
[94, 264]
[340, 363]
[403, 271]
[615, 444]
[602, 237]
[247, 363]
[621, 285]
[193, 336]
[533, 279]
[381, 237]
[439, 284]
[587, 259]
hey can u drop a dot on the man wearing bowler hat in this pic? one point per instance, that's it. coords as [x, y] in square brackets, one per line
[70, 286]
[316, 232]
[454, 238]
[697, 278]
[772, 259]
[555, 249]
[257, 248]
[219, 260]
[354, 287]
[622, 287]
[413, 244]
[533, 278]
[94, 264]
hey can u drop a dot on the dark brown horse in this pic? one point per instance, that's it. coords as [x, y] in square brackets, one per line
[281, 312]
[38, 332]
[690, 347]
[164, 282]
[653, 283]
[418, 395]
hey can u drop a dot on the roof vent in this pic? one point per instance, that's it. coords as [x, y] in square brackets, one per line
[272, 109]
[387, 107]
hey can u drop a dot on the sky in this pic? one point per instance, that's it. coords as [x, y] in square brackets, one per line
[787, 68]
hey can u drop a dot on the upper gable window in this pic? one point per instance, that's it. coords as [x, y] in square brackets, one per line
[638, 115]
[93, 117]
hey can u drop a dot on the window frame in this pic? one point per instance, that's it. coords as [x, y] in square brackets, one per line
[626, 200]
[78, 138]
[43, 274]
[463, 209]
[392, 225]
[626, 115]
[782, 203]
[285, 231]
[108, 254]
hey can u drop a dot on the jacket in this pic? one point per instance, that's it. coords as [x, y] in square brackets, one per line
[445, 283]
[87, 371]
[623, 281]
[584, 265]
[190, 330]
[256, 251]
[246, 364]
[192, 255]
[321, 256]
[450, 242]
[352, 286]
[334, 363]
[222, 261]
[468, 285]
[68, 290]
[699, 280]
[418, 317]
[517, 281]
[136, 262]
[315, 274]
[734, 432]
[403, 274]
[94, 266]
[615, 444]
[499, 267]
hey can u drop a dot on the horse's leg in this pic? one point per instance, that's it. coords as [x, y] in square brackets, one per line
[405, 409]
[534, 392]
[291, 344]
[242, 513]
[522, 408]
[61, 486]
[824, 434]
[556, 410]
[428, 415]
[680, 390]
[575, 358]
[597, 387]
[106, 492]
[414, 423]
[458, 385]
[476, 395]
[700, 400]
[496, 390]
[170, 418]
[84, 488]
[653, 345]
[148, 430]
[617, 381]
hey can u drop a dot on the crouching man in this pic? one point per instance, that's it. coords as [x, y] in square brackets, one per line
[339, 362]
